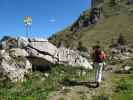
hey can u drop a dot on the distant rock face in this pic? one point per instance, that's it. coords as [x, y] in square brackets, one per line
[85, 21]
[13, 68]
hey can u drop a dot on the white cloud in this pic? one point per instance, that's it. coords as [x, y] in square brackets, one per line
[52, 20]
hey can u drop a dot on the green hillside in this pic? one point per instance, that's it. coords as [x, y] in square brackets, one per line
[116, 17]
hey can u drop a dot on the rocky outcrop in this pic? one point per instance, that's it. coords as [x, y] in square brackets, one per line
[19, 54]
[70, 57]
[47, 52]
[122, 52]
[13, 67]
[42, 45]
[62, 56]
[86, 20]
[40, 59]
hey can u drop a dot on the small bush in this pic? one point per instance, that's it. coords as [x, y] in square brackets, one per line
[81, 47]
[101, 97]
[113, 2]
[122, 86]
[62, 98]
[121, 39]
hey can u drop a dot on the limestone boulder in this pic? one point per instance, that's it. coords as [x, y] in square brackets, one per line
[73, 58]
[40, 59]
[43, 46]
[16, 52]
[13, 69]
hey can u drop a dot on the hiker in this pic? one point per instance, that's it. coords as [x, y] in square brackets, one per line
[98, 57]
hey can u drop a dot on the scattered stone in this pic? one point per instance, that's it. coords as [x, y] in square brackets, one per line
[127, 68]
[111, 68]
[122, 53]
[46, 75]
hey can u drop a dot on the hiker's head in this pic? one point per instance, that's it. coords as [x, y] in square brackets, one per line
[96, 47]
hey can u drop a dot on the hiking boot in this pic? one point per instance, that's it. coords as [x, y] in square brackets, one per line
[97, 84]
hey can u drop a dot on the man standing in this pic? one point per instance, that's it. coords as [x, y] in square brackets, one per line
[98, 60]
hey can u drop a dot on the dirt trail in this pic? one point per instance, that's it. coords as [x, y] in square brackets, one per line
[84, 93]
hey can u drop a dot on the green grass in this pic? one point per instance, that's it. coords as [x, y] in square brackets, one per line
[101, 97]
[124, 87]
[62, 98]
[32, 89]
[37, 86]
[123, 96]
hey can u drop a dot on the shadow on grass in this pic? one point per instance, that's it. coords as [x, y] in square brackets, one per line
[89, 84]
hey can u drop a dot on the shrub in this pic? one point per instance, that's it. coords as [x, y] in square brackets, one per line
[81, 47]
[113, 2]
[122, 86]
[101, 97]
[121, 39]
[62, 98]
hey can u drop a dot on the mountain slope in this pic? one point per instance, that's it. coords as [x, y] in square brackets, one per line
[116, 17]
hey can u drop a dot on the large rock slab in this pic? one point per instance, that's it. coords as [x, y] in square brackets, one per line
[43, 46]
[40, 48]
[33, 53]
[73, 58]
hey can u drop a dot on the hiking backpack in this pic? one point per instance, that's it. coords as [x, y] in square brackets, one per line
[100, 55]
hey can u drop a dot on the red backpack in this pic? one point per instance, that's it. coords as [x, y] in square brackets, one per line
[103, 55]
[99, 55]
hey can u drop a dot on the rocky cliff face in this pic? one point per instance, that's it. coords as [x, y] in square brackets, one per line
[103, 22]
[87, 20]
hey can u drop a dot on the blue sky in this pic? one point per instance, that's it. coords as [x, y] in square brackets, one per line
[49, 16]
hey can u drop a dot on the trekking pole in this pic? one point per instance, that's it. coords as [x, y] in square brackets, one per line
[95, 73]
